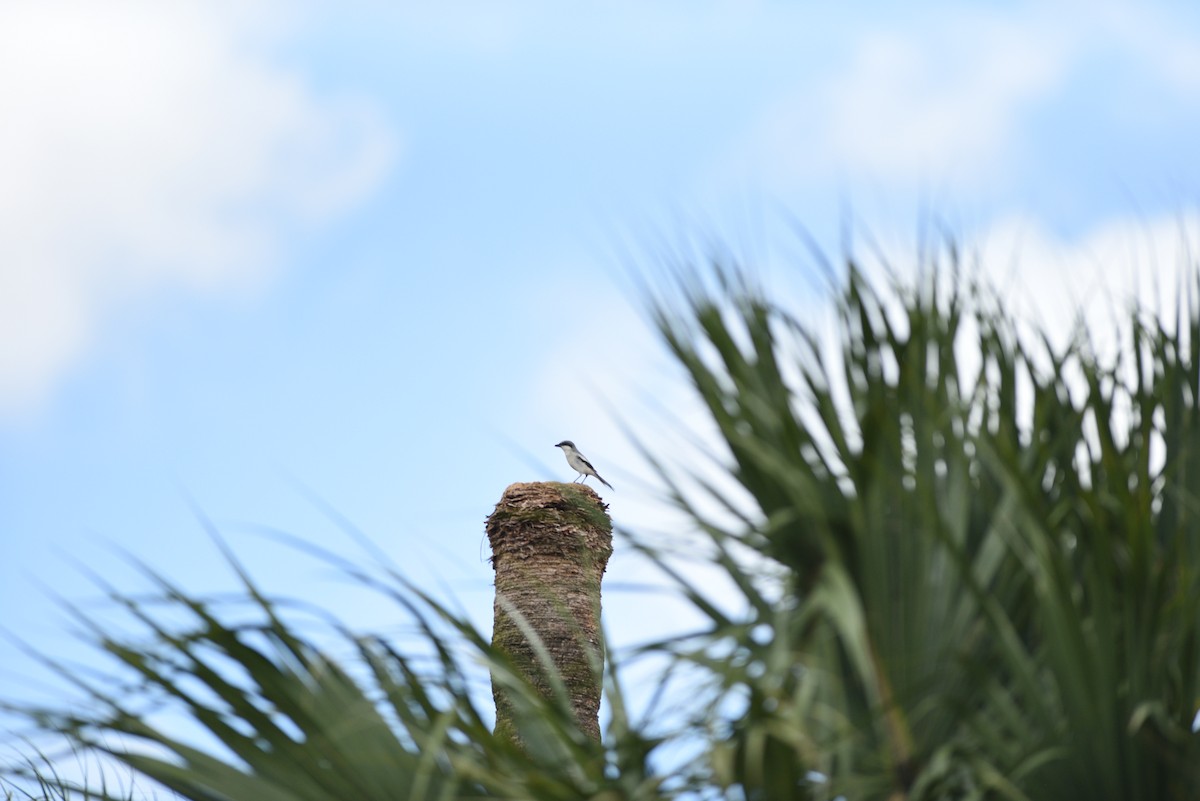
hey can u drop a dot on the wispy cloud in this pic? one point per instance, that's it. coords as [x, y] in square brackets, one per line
[148, 146]
[1053, 283]
[906, 106]
[951, 96]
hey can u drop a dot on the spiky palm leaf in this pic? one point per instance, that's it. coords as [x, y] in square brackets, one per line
[259, 711]
[976, 607]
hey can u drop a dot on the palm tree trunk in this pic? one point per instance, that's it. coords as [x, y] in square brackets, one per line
[550, 545]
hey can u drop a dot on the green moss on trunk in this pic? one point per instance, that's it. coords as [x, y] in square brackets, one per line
[550, 546]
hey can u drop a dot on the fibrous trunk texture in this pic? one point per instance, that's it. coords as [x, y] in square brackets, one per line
[550, 546]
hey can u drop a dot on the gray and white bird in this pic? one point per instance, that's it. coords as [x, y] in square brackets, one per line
[579, 462]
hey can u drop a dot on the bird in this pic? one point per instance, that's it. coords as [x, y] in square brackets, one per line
[579, 462]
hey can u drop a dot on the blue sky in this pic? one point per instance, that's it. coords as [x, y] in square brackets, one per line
[375, 249]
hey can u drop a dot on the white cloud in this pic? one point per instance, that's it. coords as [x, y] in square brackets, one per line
[908, 106]
[1153, 36]
[932, 101]
[947, 100]
[1049, 282]
[147, 146]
